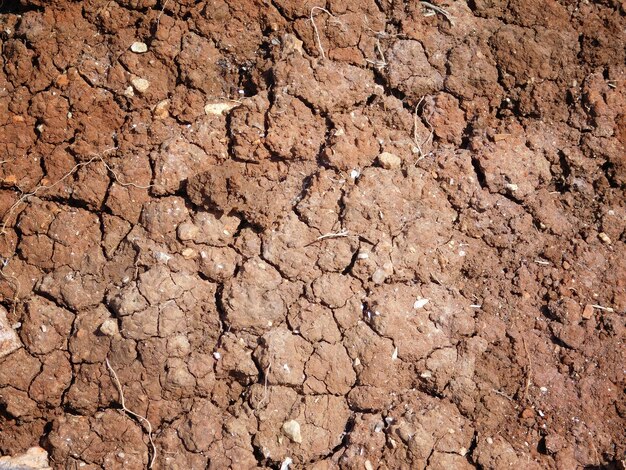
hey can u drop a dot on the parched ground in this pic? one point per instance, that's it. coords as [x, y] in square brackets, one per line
[313, 235]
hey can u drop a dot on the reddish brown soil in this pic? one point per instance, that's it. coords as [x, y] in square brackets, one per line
[469, 310]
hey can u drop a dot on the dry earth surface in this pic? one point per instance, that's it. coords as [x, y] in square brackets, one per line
[313, 234]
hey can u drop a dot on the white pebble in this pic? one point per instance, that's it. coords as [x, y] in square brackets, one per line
[419, 303]
[218, 108]
[286, 463]
[139, 47]
[291, 429]
[389, 161]
[109, 327]
[140, 84]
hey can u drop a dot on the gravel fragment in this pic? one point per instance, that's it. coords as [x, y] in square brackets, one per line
[9, 341]
[219, 108]
[139, 47]
[140, 84]
[109, 327]
[291, 429]
[389, 161]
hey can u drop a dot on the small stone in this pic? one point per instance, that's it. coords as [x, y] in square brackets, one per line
[379, 276]
[189, 253]
[419, 303]
[10, 179]
[291, 44]
[140, 84]
[109, 327]
[62, 80]
[368, 465]
[554, 443]
[35, 458]
[528, 413]
[9, 340]
[605, 238]
[219, 108]
[161, 110]
[187, 231]
[588, 312]
[139, 47]
[129, 92]
[291, 429]
[389, 161]
[512, 187]
[286, 463]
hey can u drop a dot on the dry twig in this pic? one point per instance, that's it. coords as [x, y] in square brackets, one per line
[502, 394]
[439, 10]
[529, 369]
[316, 31]
[606, 309]
[160, 15]
[142, 420]
[419, 145]
[44, 187]
[379, 64]
[342, 233]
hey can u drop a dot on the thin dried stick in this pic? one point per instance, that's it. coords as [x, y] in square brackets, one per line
[44, 187]
[342, 233]
[606, 309]
[502, 394]
[415, 139]
[439, 10]
[317, 33]
[379, 64]
[142, 420]
[265, 380]
[528, 370]
[160, 15]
